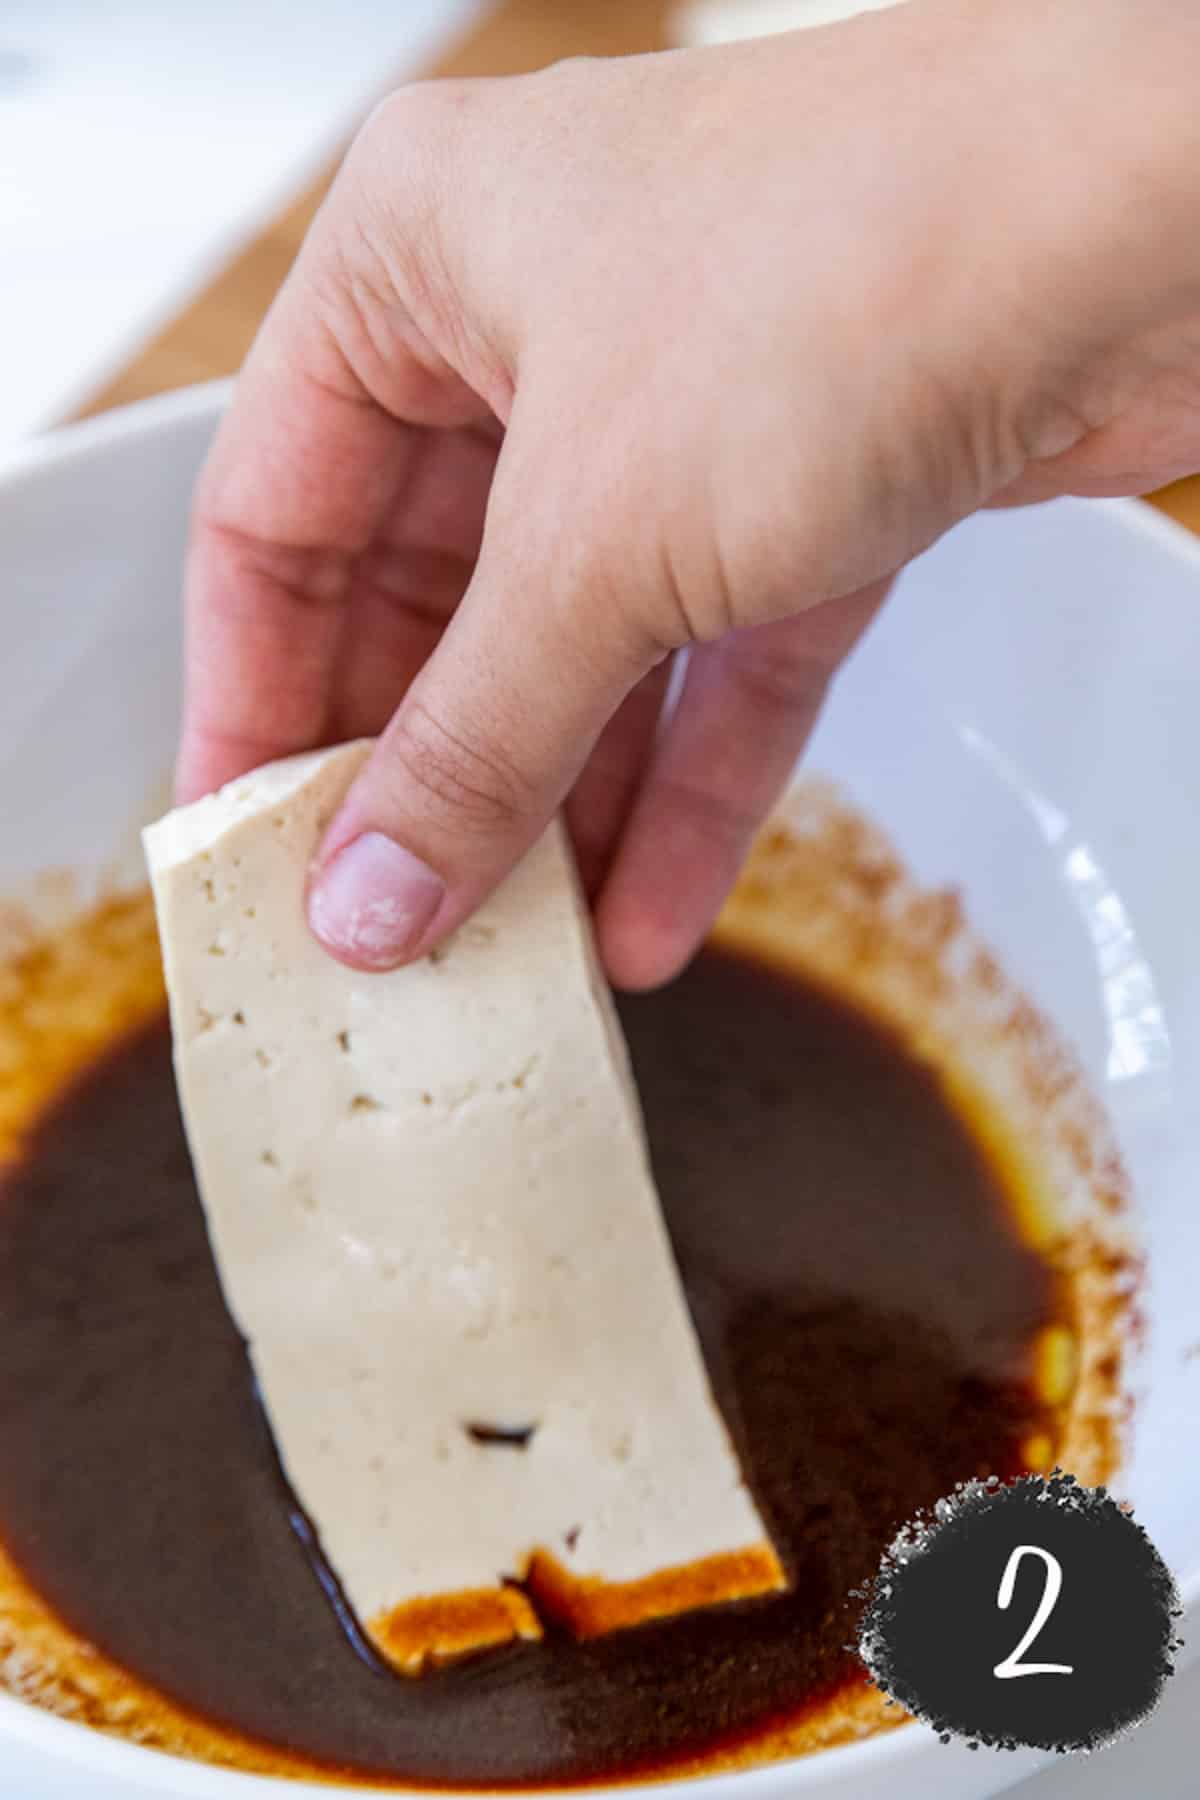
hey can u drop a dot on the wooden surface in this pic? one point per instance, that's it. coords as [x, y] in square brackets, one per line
[212, 334]
[1182, 501]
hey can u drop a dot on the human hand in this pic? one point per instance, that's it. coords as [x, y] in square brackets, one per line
[581, 370]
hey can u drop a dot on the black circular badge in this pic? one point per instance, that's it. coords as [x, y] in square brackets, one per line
[1036, 1613]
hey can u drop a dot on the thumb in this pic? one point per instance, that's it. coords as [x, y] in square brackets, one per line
[482, 751]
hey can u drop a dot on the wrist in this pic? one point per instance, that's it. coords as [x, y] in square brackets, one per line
[1091, 179]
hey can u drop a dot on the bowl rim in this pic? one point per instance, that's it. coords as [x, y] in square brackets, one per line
[72, 1742]
[77, 440]
[162, 1773]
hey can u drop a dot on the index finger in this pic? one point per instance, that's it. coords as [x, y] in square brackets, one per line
[310, 459]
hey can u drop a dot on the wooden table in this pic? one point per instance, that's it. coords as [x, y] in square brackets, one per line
[211, 335]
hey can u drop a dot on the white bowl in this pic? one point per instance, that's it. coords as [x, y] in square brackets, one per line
[1023, 722]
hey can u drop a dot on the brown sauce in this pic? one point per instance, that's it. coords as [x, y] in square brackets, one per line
[866, 1308]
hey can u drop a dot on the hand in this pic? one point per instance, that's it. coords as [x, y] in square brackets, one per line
[580, 370]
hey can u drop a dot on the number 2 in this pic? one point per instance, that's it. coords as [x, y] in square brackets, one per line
[1012, 1666]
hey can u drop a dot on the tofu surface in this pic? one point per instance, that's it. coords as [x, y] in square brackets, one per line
[430, 1202]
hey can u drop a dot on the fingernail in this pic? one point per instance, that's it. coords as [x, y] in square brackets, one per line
[374, 902]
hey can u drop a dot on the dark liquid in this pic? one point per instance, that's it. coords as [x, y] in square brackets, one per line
[865, 1309]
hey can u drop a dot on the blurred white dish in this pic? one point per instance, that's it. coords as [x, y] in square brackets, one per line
[100, 241]
[1022, 722]
[725, 21]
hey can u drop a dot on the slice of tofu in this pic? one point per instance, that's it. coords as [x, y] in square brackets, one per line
[430, 1201]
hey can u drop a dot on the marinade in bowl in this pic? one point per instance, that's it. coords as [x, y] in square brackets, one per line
[901, 1230]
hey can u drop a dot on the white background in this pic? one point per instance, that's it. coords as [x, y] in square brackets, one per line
[142, 140]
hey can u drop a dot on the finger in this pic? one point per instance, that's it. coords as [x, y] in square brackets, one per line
[603, 796]
[401, 605]
[267, 581]
[445, 496]
[410, 580]
[312, 456]
[748, 705]
[484, 748]
[1153, 443]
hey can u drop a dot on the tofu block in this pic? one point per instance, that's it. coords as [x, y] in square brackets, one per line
[430, 1202]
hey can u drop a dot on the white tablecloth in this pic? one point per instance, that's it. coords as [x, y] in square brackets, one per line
[140, 143]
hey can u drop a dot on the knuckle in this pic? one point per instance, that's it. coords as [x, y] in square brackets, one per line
[697, 594]
[468, 785]
[416, 196]
[420, 112]
[395, 170]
